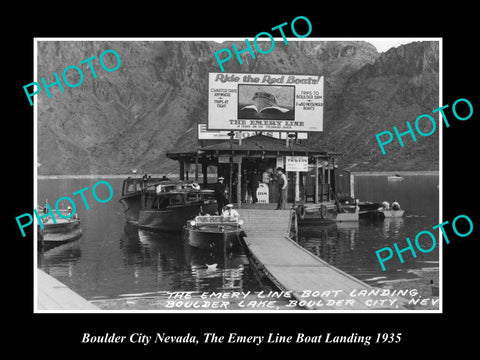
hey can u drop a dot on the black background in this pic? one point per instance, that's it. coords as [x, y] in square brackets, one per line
[59, 335]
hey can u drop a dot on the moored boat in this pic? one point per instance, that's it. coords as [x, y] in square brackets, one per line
[60, 231]
[327, 212]
[213, 232]
[167, 206]
[368, 208]
[391, 213]
[131, 196]
[395, 177]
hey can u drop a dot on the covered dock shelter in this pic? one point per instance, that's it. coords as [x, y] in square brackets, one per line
[261, 154]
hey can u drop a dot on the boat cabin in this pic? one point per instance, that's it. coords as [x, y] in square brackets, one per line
[161, 197]
[135, 185]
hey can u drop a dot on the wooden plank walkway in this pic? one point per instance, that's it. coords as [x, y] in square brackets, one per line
[293, 268]
[54, 295]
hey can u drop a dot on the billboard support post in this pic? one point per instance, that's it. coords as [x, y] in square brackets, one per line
[231, 134]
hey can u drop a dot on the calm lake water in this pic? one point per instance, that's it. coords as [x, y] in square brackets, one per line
[114, 261]
[351, 246]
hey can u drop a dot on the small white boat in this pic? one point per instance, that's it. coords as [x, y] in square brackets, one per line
[392, 213]
[394, 178]
[51, 233]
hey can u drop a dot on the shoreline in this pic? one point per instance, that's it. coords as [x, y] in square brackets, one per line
[103, 176]
[175, 176]
[400, 173]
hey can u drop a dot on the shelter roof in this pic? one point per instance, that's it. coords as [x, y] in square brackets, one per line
[261, 143]
[257, 144]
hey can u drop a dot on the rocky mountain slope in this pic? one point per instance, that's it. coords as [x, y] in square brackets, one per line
[400, 86]
[130, 117]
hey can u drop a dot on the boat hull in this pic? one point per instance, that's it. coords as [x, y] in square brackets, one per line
[392, 213]
[131, 204]
[368, 209]
[56, 234]
[212, 239]
[323, 214]
[332, 218]
[172, 219]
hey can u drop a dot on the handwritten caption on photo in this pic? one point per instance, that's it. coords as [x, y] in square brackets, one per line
[287, 300]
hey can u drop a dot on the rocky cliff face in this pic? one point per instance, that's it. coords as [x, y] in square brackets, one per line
[401, 85]
[130, 117]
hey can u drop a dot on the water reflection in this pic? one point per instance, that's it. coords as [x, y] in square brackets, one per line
[350, 229]
[180, 265]
[392, 228]
[60, 261]
[351, 246]
[333, 242]
[114, 259]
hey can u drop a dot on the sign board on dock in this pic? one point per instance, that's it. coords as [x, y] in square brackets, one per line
[205, 134]
[223, 159]
[262, 193]
[265, 102]
[280, 162]
[296, 163]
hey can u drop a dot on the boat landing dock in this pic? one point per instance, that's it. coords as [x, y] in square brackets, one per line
[54, 295]
[292, 268]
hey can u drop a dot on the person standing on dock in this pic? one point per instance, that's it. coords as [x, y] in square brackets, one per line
[253, 184]
[219, 193]
[244, 186]
[282, 189]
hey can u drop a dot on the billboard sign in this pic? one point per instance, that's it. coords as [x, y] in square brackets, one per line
[265, 102]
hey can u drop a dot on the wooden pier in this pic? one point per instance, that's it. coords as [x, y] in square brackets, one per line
[54, 295]
[292, 268]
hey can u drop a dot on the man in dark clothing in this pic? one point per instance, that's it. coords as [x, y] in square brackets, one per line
[253, 184]
[282, 189]
[219, 193]
[245, 185]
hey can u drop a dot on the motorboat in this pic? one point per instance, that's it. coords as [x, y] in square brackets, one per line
[214, 232]
[167, 206]
[60, 230]
[327, 212]
[131, 195]
[395, 177]
[391, 213]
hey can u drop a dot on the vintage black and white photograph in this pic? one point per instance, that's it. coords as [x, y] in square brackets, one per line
[136, 212]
